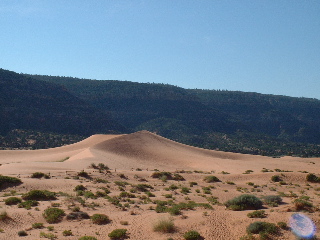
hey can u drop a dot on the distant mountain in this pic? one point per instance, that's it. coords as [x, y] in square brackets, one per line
[226, 120]
[27, 103]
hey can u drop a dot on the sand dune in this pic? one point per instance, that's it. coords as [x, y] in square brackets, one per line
[136, 156]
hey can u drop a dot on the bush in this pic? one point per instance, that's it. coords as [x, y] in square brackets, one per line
[83, 174]
[244, 202]
[53, 215]
[210, 179]
[28, 204]
[272, 200]
[39, 175]
[276, 178]
[8, 181]
[22, 233]
[312, 178]
[262, 228]
[3, 215]
[67, 233]
[164, 226]
[118, 234]
[100, 219]
[283, 225]
[50, 236]
[192, 235]
[12, 201]
[77, 216]
[257, 214]
[303, 205]
[87, 238]
[79, 188]
[39, 195]
[162, 175]
[37, 225]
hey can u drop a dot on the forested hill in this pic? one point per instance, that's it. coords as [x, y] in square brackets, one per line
[26, 103]
[226, 120]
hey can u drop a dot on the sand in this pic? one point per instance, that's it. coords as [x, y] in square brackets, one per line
[136, 156]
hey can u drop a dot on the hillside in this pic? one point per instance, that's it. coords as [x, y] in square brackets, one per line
[30, 104]
[227, 120]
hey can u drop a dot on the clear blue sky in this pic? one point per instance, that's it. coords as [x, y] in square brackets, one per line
[266, 46]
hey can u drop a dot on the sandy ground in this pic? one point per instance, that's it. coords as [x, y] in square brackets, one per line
[135, 157]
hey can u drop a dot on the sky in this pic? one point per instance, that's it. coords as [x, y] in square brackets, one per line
[265, 46]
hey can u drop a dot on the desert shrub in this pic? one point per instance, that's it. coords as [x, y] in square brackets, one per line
[39, 175]
[160, 175]
[185, 190]
[8, 181]
[174, 210]
[121, 183]
[244, 202]
[67, 233]
[39, 195]
[50, 236]
[312, 178]
[53, 215]
[28, 204]
[257, 214]
[143, 187]
[210, 179]
[88, 194]
[262, 228]
[272, 200]
[77, 216]
[177, 177]
[100, 219]
[173, 187]
[276, 178]
[193, 184]
[37, 225]
[192, 235]
[80, 188]
[83, 174]
[22, 233]
[164, 226]
[301, 204]
[283, 225]
[118, 234]
[3, 215]
[149, 194]
[87, 238]
[124, 222]
[126, 195]
[12, 201]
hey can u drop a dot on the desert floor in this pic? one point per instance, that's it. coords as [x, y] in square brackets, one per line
[132, 160]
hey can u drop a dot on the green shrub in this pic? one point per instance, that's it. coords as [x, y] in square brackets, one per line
[3, 215]
[50, 236]
[9, 181]
[312, 178]
[272, 200]
[79, 188]
[53, 215]
[283, 225]
[262, 228]
[22, 233]
[210, 179]
[257, 214]
[276, 178]
[162, 175]
[39, 175]
[192, 235]
[39, 195]
[77, 216]
[118, 234]
[185, 190]
[100, 219]
[177, 177]
[37, 225]
[301, 204]
[28, 204]
[83, 174]
[67, 233]
[164, 226]
[87, 238]
[244, 202]
[12, 201]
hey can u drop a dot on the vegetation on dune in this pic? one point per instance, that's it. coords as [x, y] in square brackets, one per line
[244, 202]
[164, 226]
[100, 219]
[192, 235]
[53, 215]
[118, 234]
[39, 195]
[6, 181]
